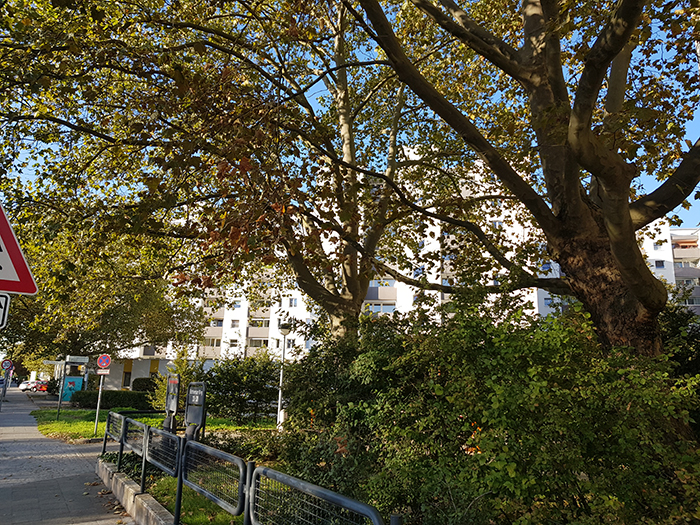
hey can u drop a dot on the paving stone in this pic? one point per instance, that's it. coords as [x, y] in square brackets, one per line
[42, 480]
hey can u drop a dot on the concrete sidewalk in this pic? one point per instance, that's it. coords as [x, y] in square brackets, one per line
[45, 481]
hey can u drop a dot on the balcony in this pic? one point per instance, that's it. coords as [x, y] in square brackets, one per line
[255, 332]
[213, 331]
[686, 253]
[381, 293]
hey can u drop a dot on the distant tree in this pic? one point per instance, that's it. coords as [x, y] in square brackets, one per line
[97, 294]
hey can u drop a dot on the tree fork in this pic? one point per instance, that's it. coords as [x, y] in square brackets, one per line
[620, 318]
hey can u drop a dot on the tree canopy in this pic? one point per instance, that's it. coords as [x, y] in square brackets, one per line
[330, 137]
[98, 293]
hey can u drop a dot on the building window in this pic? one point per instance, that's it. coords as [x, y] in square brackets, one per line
[692, 301]
[217, 322]
[548, 301]
[212, 341]
[236, 304]
[235, 323]
[259, 323]
[290, 343]
[497, 224]
[678, 265]
[375, 309]
[126, 380]
[258, 343]
[657, 246]
[660, 264]
[233, 342]
[382, 283]
[292, 302]
[546, 267]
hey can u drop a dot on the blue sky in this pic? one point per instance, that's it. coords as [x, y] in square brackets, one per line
[691, 217]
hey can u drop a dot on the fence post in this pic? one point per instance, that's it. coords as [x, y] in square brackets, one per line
[104, 440]
[248, 493]
[144, 447]
[122, 438]
[180, 462]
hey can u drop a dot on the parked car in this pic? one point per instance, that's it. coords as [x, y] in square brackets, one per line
[34, 386]
[40, 386]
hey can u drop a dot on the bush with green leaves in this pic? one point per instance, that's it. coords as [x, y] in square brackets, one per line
[111, 399]
[190, 371]
[243, 388]
[466, 418]
[52, 387]
[143, 384]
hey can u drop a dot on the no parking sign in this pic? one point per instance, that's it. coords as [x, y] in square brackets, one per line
[104, 361]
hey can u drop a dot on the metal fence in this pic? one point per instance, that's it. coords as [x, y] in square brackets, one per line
[262, 495]
[279, 499]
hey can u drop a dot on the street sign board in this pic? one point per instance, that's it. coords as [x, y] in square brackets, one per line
[104, 361]
[4, 309]
[80, 359]
[15, 275]
[172, 394]
[103, 371]
[6, 364]
[49, 362]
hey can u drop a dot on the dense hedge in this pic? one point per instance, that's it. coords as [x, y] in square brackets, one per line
[143, 384]
[111, 399]
[494, 419]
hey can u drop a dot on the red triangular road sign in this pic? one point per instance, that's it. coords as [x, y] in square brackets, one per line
[15, 275]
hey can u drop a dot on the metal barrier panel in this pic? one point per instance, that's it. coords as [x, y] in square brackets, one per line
[216, 475]
[163, 450]
[134, 435]
[113, 428]
[279, 499]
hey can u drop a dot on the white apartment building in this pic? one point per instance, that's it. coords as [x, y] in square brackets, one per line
[674, 256]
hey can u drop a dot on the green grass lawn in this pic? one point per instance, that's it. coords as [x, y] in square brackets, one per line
[196, 509]
[76, 424]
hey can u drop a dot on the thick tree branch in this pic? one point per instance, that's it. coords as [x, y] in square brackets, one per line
[492, 48]
[408, 74]
[671, 193]
[592, 154]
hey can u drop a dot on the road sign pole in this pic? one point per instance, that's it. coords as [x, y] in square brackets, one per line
[99, 400]
[60, 391]
[4, 388]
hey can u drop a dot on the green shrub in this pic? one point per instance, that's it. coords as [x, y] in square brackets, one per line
[189, 371]
[262, 445]
[243, 388]
[468, 419]
[143, 384]
[53, 387]
[111, 399]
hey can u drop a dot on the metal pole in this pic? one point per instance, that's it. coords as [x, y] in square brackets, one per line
[60, 391]
[99, 399]
[180, 476]
[4, 389]
[279, 398]
[249, 493]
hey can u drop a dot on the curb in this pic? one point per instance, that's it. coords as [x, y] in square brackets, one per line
[143, 508]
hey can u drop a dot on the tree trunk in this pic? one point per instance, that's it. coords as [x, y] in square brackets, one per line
[344, 325]
[619, 317]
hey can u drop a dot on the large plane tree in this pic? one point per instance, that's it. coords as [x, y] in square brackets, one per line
[325, 136]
